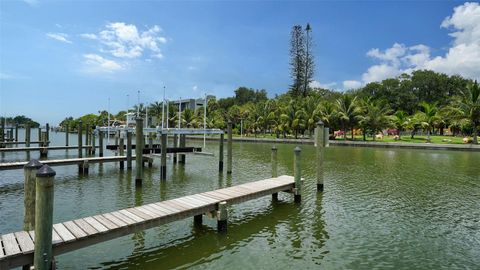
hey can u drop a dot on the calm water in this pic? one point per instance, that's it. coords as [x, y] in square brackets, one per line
[381, 209]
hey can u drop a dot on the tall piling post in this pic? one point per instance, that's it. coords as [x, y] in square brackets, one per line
[326, 137]
[93, 142]
[150, 145]
[222, 217]
[139, 151]
[80, 154]
[182, 145]
[16, 132]
[220, 153]
[39, 135]
[116, 141]
[129, 150]
[274, 168]
[43, 256]
[66, 135]
[229, 148]
[175, 145]
[27, 135]
[30, 172]
[47, 132]
[100, 143]
[44, 149]
[319, 152]
[121, 149]
[87, 139]
[297, 174]
[163, 167]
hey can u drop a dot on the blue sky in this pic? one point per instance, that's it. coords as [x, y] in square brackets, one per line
[61, 59]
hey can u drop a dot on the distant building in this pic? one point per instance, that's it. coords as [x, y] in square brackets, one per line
[191, 103]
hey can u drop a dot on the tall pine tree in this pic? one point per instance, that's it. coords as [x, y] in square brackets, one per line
[301, 60]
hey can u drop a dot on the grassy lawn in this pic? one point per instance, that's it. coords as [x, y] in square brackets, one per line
[416, 139]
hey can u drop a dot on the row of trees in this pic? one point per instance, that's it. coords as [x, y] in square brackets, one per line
[366, 111]
[20, 120]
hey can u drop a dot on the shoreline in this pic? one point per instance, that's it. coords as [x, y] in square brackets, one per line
[426, 146]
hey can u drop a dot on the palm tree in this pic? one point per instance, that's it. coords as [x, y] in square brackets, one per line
[312, 114]
[293, 118]
[374, 117]
[347, 112]
[467, 109]
[428, 117]
[400, 121]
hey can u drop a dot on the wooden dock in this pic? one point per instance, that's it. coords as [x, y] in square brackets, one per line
[62, 162]
[25, 149]
[33, 142]
[17, 249]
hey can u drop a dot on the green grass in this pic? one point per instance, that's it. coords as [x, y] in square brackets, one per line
[416, 139]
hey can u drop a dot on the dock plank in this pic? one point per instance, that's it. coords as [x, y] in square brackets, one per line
[63, 232]
[25, 241]
[74, 229]
[94, 223]
[87, 228]
[10, 244]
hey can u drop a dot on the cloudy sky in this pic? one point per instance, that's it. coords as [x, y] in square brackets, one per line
[68, 58]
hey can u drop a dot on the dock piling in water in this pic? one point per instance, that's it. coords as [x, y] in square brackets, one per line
[222, 216]
[274, 169]
[220, 153]
[80, 154]
[16, 132]
[66, 135]
[27, 135]
[229, 148]
[129, 150]
[175, 145]
[319, 152]
[43, 256]
[163, 167]
[100, 143]
[44, 145]
[297, 175]
[139, 151]
[182, 144]
[30, 172]
[122, 150]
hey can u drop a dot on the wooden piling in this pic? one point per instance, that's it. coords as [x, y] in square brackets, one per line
[87, 139]
[122, 150]
[150, 145]
[163, 167]
[30, 172]
[326, 137]
[139, 151]
[44, 144]
[229, 148]
[129, 150]
[66, 135]
[39, 133]
[27, 135]
[319, 152]
[80, 143]
[47, 132]
[93, 142]
[16, 132]
[274, 168]
[220, 154]
[175, 145]
[43, 256]
[182, 144]
[197, 220]
[100, 143]
[222, 216]
[297, 175]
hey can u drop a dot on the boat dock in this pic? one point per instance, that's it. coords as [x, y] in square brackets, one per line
[17, 249]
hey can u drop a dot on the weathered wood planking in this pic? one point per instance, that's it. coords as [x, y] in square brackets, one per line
[17, 248]
[63, 162]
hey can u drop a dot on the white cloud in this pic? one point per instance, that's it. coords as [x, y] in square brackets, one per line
[317, 84]
[97, 64]
[462, 58]
[126, 41]
[195, 88]
[351, 84]
[88, 36]
[59, 36]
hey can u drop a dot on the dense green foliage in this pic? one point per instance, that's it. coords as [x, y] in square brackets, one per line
[20, 120]
[423, 101]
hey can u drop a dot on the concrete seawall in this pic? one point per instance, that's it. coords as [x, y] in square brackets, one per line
[428, 146]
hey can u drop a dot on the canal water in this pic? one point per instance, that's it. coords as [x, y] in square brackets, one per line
[381, 209]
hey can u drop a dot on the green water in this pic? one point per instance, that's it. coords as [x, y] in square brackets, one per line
[381, 209]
